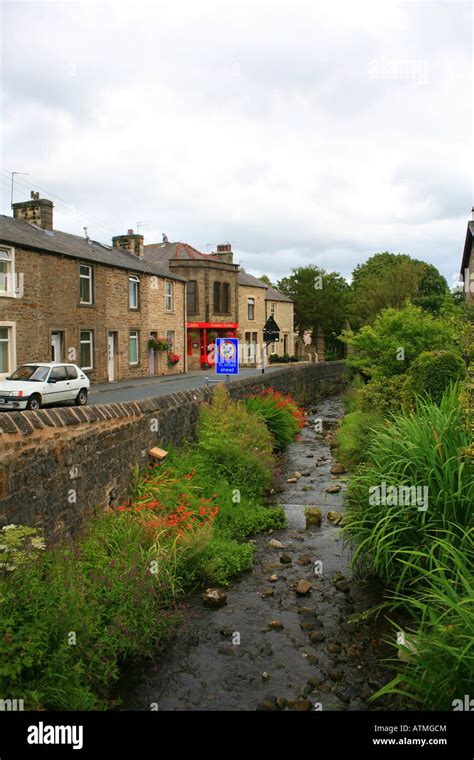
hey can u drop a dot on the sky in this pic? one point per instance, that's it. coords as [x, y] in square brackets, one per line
[301, 132]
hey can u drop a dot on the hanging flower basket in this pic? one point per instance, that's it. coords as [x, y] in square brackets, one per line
[159, 344]
[173, 358]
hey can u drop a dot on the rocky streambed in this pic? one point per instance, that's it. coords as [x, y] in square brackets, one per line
[290, 635]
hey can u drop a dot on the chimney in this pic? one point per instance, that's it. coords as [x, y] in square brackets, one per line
[37, 210]
[130, 242]
[224, 252]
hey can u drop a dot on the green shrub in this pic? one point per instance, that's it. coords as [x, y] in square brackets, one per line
[396, 339]
[98, 594]
[354, 434]
[222, 559]
[279, 413]
[431, 374]
[421, 450]
[383, 396]
[235, 443]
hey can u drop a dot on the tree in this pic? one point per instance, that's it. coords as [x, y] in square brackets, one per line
[396, 338]
[265, 278]
[320, 300]
[389, 280]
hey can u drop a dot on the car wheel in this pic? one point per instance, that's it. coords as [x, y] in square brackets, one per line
[81, 398]
[34, 402]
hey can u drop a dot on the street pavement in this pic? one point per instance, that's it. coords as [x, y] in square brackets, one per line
[134, 390]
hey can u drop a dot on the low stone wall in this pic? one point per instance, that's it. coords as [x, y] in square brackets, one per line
[57, 466]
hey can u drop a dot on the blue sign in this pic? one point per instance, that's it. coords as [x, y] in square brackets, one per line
[227, 356]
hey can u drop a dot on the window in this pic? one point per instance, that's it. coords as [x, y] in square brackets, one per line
[133, 347]
[273, 308]
[6, 271]
[250, 346]
[221, 298]
[6, 350]
[87, 349]
[133, 292]
[168, 295]
[71, 373]
[225, 297]
[192, 297]
[58, 374]
[170, 336]
[85, 278]
[250, 308]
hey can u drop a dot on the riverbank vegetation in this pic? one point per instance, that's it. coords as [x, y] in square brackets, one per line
[408, 436]
[72, 613]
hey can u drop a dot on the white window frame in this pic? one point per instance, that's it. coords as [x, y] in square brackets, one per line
[10, 290]
[90, 278]
[168, 295]
[133, 280]
[136, 333]
[168, 333]
[11, 327]
[273, 310]
[250, 302]
[87, 343]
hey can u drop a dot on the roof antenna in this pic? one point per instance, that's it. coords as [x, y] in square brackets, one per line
[86, 233]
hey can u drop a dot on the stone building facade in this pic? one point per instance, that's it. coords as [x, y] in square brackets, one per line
[69, 298]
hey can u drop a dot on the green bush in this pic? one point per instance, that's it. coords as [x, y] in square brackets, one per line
[222, 559]
[279, 413]
[235, 443]
[70, 617]
[431, 374]
[383, 396]
[354, 435]
[422, 450]
[396, 339]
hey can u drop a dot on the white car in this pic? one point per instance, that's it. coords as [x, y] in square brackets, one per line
[39, 383]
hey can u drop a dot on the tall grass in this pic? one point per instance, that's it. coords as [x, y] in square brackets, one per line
[423, 449]
[441, 667]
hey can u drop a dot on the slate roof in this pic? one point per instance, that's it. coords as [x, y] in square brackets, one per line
[272, 294]
[21, 233]
[161, 253]
[248, 279]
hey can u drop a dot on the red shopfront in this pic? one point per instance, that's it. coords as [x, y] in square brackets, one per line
[201, 340]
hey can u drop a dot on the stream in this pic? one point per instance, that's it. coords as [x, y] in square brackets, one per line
[270, 648]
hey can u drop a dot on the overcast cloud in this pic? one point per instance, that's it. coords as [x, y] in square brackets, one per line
[302, 133]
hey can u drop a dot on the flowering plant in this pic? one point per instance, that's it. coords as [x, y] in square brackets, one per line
[173, 358]
[159, 344]
[280, 413]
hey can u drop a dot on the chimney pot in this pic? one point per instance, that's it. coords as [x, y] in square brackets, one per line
[130, 242]
[130, 232]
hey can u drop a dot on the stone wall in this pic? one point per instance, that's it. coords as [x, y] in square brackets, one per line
[57, 466]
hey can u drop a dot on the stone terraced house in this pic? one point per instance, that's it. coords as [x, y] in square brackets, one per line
[467, 265]
[68, 298]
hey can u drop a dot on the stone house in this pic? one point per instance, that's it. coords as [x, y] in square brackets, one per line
[281, 308]
[212, 294]
[467, 265]
[252, 311]
[68, 298]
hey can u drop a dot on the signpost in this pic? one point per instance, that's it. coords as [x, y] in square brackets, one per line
[271, 334]
[227, 357]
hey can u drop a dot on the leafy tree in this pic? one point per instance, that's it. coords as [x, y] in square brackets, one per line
[389, 280]
[320, 299]
[396, 338]
[265, 278]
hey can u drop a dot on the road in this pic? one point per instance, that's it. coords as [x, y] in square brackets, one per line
[134, 390]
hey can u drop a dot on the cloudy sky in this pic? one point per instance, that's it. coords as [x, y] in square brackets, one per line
[303, 133]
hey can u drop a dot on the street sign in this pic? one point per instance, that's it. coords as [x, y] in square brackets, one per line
[227, 356]
[271, 331]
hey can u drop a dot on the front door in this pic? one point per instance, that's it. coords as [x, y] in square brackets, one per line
[56, 347]
[111, 357]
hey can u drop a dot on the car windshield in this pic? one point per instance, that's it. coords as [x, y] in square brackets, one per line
[30, 372]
